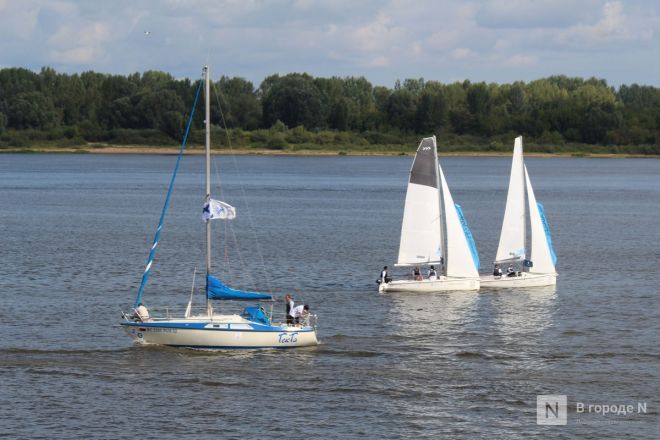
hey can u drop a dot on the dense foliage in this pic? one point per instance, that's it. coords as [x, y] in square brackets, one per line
[298, 110]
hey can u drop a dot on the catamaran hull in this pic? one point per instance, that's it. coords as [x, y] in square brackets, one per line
[428, 286]
[526, 279]
[214, 338]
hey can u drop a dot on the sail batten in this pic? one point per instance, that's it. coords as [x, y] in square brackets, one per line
[421, 239]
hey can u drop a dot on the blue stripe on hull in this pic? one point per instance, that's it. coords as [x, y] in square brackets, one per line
[202, 326]
[221, 347]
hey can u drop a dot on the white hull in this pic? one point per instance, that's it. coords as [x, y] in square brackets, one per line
[207, 335]
[526, 279]
[428, 286]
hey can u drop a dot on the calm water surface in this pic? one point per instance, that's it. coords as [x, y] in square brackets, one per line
[75, 233]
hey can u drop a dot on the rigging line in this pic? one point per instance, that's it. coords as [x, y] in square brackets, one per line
[229, 229]
[244, 194]
[152, 252]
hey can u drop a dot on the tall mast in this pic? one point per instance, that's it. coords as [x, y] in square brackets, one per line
[207, 123]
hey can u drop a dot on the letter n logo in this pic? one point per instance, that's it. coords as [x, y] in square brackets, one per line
[551, 409]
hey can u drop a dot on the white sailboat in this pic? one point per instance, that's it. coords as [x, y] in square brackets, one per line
[433, 231]
[536, 268]
[251, 328]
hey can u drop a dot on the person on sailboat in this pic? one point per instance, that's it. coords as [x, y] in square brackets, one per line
[141, 312]
[417, 275]
[299, 312]
[384, 276]
[497, 272]
[288, 299]
[510, 272]
[433, 275]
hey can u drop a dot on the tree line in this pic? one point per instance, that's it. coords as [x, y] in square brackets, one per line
[296, 109]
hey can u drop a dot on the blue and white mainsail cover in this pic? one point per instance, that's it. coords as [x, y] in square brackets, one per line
[215, 289]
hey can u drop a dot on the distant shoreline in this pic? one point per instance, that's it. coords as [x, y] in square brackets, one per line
[167, 151]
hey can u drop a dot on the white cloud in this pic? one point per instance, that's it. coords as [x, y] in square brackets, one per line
[378, 35]
[18, 20]
[532, 13]
[78, 55]
[613, 25]
[462, 53]
[521, 60]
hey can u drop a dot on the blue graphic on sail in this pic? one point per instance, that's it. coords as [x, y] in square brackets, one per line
[214, 209]
[468, 236]
[546, 229]
[215, 289]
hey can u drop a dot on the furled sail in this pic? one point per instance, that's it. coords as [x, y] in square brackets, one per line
[512, 238]
[542, 253]
[459, 261]
[215, 289]
[420, 230]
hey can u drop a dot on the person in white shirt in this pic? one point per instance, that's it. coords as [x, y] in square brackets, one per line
[433, 275]
[384, 276]
[299, 312]
[142, 313]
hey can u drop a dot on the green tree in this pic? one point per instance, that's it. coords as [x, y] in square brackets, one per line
[294, 100]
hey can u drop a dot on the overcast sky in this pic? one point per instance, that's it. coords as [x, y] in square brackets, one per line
[445, 40]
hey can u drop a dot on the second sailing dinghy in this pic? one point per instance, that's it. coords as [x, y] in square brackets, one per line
[251, 328]
[522, 269]
[436, 243]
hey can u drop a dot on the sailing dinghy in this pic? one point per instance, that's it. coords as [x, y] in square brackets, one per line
[538, 267]
[433, 232]
[251, 328]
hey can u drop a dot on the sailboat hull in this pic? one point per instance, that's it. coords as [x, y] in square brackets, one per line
[210, 335]
[526, 279]
[428, 286]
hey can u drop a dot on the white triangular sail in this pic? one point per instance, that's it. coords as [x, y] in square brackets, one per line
[512, 238]
[421, 236]
[458, 260]
[540, 249]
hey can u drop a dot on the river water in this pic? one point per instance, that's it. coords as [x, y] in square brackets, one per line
[75, 234]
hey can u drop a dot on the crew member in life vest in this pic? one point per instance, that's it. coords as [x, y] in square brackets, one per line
[384, 276]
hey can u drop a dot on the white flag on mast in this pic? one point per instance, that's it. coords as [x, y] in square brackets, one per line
[214, 209]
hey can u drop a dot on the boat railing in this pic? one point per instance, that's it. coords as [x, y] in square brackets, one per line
[157, 314]
[160, 313]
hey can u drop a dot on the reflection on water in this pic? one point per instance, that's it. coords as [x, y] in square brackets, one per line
[524, 312]
[418, 313]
